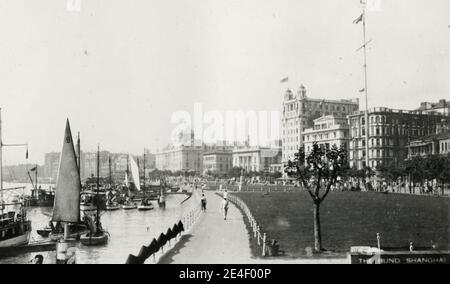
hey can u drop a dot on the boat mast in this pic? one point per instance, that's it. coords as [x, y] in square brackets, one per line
[128, 174]
[36, 176]
[143, 187]
[1, 166]
[79, 155]
[110, 172]
[97, 219]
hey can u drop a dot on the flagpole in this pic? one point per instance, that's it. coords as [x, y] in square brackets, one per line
[365, 87]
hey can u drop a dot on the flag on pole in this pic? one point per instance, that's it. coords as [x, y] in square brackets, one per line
[359, 19]
[284, 80]
[33, 169]
[362, 90]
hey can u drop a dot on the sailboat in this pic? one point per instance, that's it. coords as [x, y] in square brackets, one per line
[145, 203]
[15, 229]
[66, 209]
[97, 235]
[39, 196]
[129, 204]
[111, 205]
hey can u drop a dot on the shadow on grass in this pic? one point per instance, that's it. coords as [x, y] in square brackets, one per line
[168, 257]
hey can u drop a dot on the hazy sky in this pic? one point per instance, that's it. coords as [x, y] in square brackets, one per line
[119, 69]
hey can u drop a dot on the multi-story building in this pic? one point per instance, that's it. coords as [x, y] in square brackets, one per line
[218, 161]
[255, 159]
[299, 113]
[181, 158]
[442, 106]
[436, 144]
[51, 165]
[389, 132]
[328, 130]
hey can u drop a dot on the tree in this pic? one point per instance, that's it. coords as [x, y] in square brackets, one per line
[318, 171]
[444, 175]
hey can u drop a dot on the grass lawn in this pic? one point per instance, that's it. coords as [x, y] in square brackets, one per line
[351, 219]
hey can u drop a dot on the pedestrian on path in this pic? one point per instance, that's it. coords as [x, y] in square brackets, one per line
[225, 208]
[203, 202]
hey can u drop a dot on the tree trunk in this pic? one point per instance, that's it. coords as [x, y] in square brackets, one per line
[317, 233]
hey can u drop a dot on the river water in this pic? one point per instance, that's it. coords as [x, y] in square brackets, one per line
[128, 229]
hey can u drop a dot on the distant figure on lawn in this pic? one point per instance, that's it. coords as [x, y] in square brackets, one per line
[203, 202]
[225, 208]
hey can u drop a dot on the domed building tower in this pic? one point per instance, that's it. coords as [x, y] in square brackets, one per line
[301, 92]
[288, 95]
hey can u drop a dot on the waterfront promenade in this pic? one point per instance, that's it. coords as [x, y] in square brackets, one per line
[213, 240]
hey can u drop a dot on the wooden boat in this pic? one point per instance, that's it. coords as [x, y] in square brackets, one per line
[27, 248]
[146, 204]
[66, 209]
[44, 232]
[97, 235]
[15, 228]
[87, 206]
[94, 240]
[39, 197]
[112, 207]
[129, 206]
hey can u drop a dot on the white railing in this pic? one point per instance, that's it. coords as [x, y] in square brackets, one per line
[261, 237]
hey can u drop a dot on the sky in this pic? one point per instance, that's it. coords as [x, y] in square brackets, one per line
[119, 69]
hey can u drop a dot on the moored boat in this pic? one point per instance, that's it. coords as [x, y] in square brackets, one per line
[129, 206]
[145, 206]
[112, 207]
[66, 209]
[15, 228]
[97, 235]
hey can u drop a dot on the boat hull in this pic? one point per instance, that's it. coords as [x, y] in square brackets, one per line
[144, 207]
[88, 207]
[16, 241]
[44, 232]
[112, 208]
[72, 236]
[88, 240]
[129, 207]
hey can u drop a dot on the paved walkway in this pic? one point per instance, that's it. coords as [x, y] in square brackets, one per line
[214, 240]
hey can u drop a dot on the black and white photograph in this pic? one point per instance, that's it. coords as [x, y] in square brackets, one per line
[247, 133]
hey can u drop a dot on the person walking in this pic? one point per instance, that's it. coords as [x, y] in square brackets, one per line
[203, 202]
[225, 208]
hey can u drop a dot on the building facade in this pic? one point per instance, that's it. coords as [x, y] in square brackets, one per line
[442, 106]
[182, 158]
[327, 131]
[437, 144]
[299, 113]
[255, 159]
[51, 165]
[389, 133]
[219, 161]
